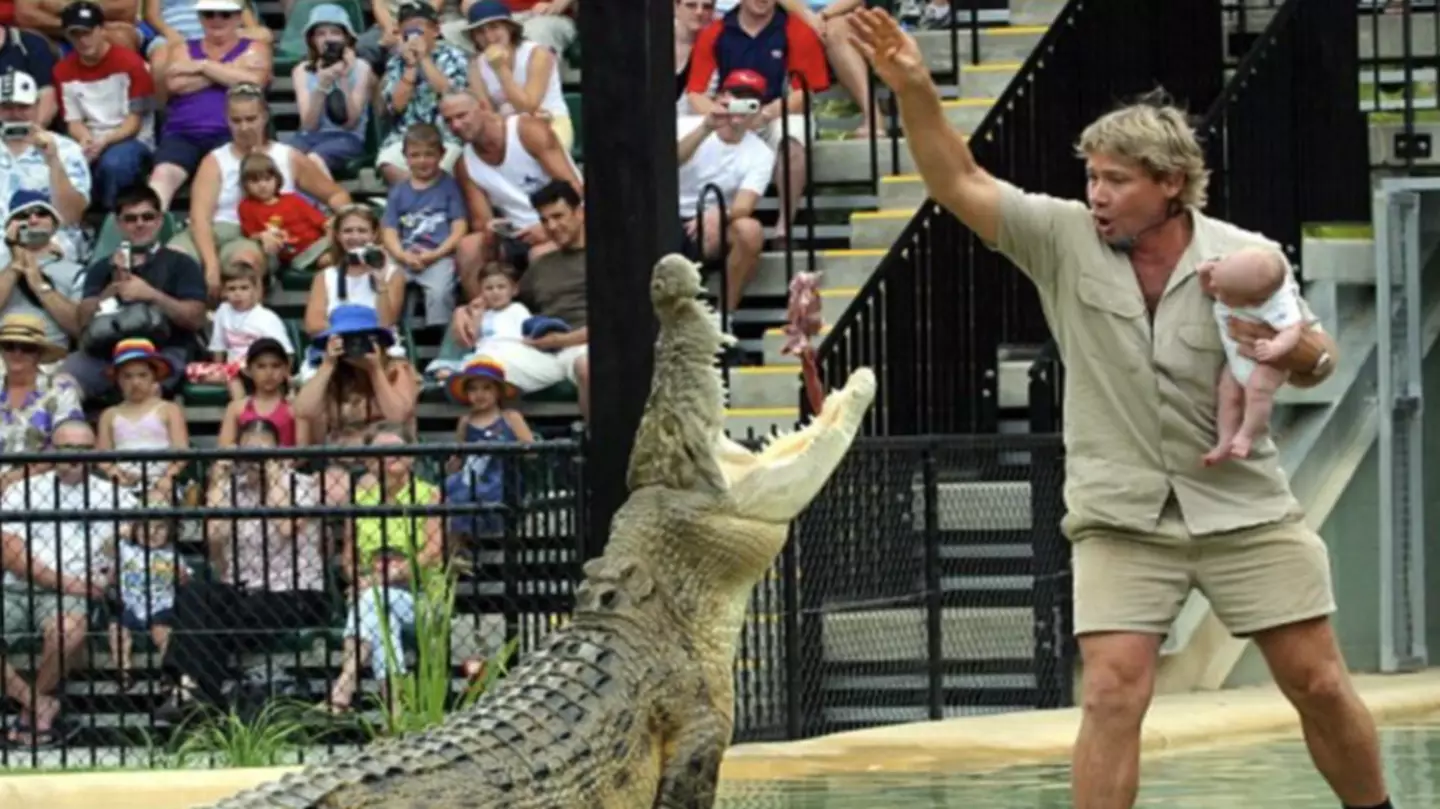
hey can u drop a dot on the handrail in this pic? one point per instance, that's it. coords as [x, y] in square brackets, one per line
[808, 147]
[724, 252]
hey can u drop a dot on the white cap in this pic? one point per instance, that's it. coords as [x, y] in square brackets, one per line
[219, 5]
[18, 87]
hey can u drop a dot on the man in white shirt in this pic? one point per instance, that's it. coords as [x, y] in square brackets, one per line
[722, 149]
[32, 159]
[53, 573]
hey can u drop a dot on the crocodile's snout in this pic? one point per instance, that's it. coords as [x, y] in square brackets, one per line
[676, 278]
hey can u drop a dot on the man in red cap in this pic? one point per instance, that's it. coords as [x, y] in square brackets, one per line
[759, 37]
[721, 148]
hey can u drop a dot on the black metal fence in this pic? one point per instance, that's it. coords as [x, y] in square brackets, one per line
[272, 604]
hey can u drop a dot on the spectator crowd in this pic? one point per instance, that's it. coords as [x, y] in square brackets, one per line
[151, 210]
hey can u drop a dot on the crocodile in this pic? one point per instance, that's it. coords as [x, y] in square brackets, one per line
[630, 703]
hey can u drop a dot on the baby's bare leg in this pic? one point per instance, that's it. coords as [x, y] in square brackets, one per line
[1259, 402]
[1229, 407]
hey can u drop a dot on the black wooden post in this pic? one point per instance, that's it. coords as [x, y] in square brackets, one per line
[631, 220]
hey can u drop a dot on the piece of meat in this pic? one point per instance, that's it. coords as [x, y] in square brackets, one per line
[803, 323]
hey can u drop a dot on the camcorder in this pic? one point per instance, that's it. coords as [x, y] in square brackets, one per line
[15, 130]
[369, 256]
[743, 106]
[332, 53]
[32, 238]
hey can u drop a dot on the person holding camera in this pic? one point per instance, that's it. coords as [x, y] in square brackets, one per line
[38, 279]
[143, 289]
[32, 159]
[332, 89]
[721, 149]
[420, 72]
[356, 271]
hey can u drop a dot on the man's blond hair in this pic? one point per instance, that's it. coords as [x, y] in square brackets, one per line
[1156, 135]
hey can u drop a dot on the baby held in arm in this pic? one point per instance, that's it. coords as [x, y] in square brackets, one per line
[1250, 284]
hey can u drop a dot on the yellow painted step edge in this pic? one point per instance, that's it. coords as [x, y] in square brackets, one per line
[1014, 30]
[762, 412]
[847, 252]
[991, 67]
[888, 213]
[780, 332]
[957, 103]
[902, 178]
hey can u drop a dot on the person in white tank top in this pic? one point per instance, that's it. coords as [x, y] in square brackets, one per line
[513, 74]
[214, 236]
[506, 160]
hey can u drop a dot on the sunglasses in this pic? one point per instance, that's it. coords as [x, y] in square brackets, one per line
[135, 218]
[246, 89]
[23, 348]
[74, 447]
[216, 15]
[699, 6]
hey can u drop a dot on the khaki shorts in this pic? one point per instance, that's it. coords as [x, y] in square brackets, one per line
[23, 617]
[1255, 579]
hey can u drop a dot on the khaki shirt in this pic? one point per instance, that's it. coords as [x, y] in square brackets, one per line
[1140, 398]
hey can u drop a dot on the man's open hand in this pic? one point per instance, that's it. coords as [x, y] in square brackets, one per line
[1304, 361]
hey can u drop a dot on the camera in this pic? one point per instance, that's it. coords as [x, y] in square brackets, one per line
[358, 345]
[332, 53]
[369, 255]
[15, 130]
[32, 238]
[504, 228]
[743, 106]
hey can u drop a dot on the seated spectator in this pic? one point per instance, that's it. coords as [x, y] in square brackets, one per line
[178, 21]
[479, 477]
[55, 572]
[378, 44]
[386, 561]
[830, 19]
[691, 17]
[500, 316]
[420, 73]
[33, 159]
[553, 287]
[548, 23]
[196, 74]
[287, 227]
[744, 39]
[241, 321]
[106, 98]
[356, 272]
[27, 52]
[269, 575]
[34, 400]
[506, 160]
[143, 421]
[721, 149]
[148, 567]
[513, 74]
[267, 367]
[162, 283]
[333, 88]
[425, 218]
[357, 385]
[38, 278]
[47, 17]
[215, 234]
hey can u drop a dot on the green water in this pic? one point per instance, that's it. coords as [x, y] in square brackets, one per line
[1275, 775]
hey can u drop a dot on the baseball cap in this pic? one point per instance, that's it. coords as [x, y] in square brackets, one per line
[417, 11]
[744, 81]
[219, 5]
[18, 87]
[84, 15]
[263, 346]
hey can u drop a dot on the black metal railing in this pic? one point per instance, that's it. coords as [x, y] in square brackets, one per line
[1285, 141]
[719, 261]
[1400, 77]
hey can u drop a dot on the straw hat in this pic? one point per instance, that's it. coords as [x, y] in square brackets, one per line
[29, 330]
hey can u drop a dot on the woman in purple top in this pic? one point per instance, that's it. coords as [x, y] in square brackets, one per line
[195, 77]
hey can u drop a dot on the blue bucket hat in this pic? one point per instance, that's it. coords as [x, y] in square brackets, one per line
[329, 14]
[488, 11]
[540, 325]
[23, 200]
[354, 318]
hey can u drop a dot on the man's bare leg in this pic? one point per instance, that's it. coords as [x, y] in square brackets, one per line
[1307, 665]
[1259, 403]
[63, 648]
[1229, 413]
[1117, 682]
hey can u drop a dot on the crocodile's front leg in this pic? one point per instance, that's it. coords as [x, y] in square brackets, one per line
[692, 766]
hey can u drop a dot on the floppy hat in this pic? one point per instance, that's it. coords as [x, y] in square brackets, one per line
[219, 5]
[23, 200]
[138, 348]
[354, 318]
[537, 326]
[488, 11]
[27, 329]
[328, 14]
[479, 367]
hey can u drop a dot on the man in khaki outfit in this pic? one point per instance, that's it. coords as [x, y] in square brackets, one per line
[1143, 355]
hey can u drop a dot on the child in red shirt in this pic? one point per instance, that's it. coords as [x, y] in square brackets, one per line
[295, 223]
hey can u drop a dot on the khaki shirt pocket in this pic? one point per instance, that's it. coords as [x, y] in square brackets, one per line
[1109, 325]
[1198, 355]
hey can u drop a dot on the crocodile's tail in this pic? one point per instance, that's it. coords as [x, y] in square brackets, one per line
[675, 445]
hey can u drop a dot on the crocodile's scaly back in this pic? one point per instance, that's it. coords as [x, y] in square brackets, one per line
[628, 706]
